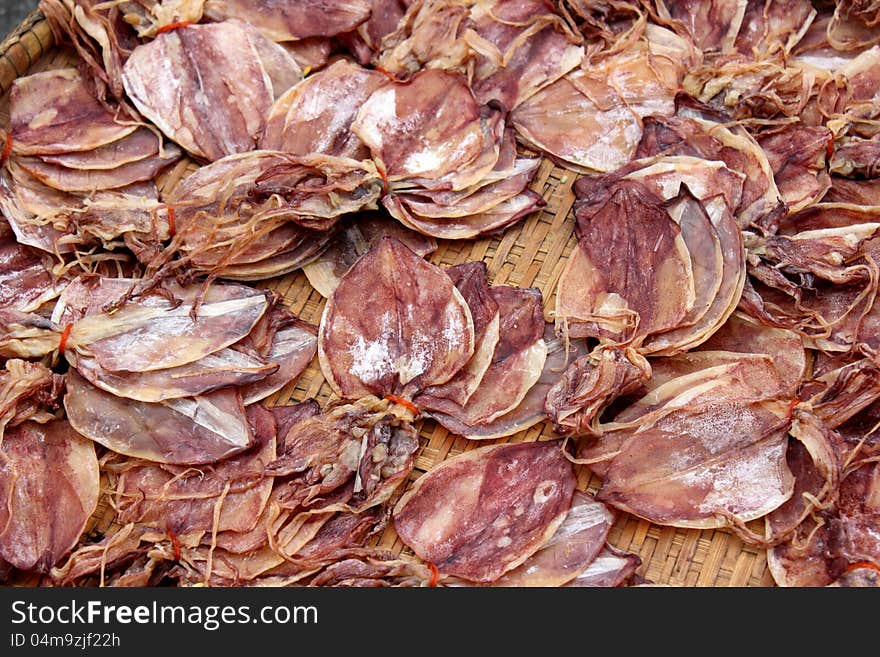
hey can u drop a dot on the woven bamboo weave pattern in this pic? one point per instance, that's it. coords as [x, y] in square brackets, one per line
[531, 253]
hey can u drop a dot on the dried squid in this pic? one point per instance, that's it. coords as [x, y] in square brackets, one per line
[485, 512]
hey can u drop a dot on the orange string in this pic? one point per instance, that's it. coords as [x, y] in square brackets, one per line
[175, 544]
[7, 149]
[862, 564]
[435, 575]
[403, 402]
[388, 74]
[62, 344]
[173, 26]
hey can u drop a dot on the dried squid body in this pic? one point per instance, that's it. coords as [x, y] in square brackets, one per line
[395, 325]
[485, 512]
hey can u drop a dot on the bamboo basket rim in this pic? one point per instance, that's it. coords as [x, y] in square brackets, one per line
[532, 252]
[23, 46]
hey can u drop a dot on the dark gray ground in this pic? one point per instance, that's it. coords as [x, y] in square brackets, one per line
[12, 12]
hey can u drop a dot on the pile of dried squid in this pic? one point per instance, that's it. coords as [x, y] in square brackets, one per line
[712, 354]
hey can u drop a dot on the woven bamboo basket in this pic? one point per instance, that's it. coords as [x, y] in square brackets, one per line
[531, 253]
